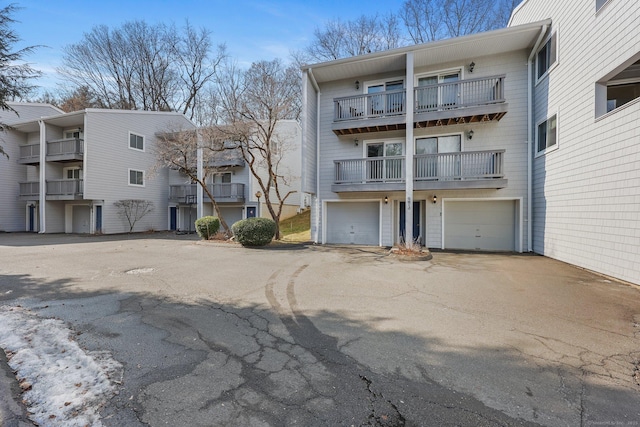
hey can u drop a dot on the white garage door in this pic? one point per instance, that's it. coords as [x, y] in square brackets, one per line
[231, 215]
[480, 225]
[356, 223]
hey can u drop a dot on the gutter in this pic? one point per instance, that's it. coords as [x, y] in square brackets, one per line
[543, 32]
[317, 201]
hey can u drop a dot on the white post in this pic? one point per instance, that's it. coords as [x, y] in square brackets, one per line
[409, 150]
[200, 174]
[42, 197]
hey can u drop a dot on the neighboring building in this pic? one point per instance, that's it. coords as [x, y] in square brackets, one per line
[66, 170]
[586, 116]
[519, 139]
[234, 187]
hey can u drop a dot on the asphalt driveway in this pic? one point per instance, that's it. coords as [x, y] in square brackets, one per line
[215, 334]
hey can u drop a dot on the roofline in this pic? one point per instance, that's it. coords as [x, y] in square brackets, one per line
[101, 110]
[37, 104]
[516, 10]
[438, 43]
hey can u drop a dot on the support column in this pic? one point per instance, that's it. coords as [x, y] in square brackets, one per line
[42, 185]
[200, 174]
[409, 150]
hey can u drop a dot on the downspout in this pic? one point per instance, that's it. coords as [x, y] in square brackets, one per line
[543, 31]
[317, 201]
[42, 186]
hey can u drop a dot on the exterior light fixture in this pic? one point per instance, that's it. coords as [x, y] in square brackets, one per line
[470, 134]
[355, 142]
[357, 84]
[386, 200]
[472, 66]
[435, 199]
[258, 195]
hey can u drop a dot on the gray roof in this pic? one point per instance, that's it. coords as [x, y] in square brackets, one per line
[26, 112]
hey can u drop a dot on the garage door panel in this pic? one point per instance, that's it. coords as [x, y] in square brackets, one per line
[480, 225]
[231, 215]
[353, 223]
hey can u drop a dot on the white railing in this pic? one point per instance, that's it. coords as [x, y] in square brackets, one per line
[65, 146]
[227, 190]
[375, 169]
[440, 96]
[388, 103]
[471, 165]
[29, 151]
[64, 187]
[29, 189]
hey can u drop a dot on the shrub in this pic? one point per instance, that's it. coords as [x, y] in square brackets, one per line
[254, 231]
[207, 226]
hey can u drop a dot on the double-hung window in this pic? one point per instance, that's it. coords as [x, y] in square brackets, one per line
[136, 142]
[547, 135]
[547, 56]
[136, 178]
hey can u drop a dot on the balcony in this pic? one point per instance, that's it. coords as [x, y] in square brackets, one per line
[57, 189]
[446, 171]
[64, 189]
[442, 104]
[29, 154]
[65, 150]
[223, 193]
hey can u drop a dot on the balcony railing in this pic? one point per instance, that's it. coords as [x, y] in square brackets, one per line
[436, 97]
[29, 189]
[472, 165]
[64, 187]
[65, 147]
[29, 153]
[370, 170]
[221, 192]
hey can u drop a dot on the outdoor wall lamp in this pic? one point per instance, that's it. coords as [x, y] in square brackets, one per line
[258, 195]
[355, 142]
[357, 84]
[470, 134]
[435, 199]
[472, 66]
[386, 200]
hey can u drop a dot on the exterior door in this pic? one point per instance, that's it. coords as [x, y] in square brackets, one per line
[251, 211]
[384, 161]
[429, 166]
[173, 218]
[32, 218]
[416, 222]
[99, 219]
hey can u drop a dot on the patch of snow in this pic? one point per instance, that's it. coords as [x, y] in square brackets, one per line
[64, 385]
[140, 271]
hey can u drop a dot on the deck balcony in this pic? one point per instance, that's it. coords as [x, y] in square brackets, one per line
[29, 154]
[65, 150]
[442, 104]
[446, 171]
[223, 193]
[56, 189]
[59, 150]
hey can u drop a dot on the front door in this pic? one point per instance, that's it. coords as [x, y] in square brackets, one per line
[251, 211]
[98, 218]
[416, 222]
[173, 218]
[32, 218]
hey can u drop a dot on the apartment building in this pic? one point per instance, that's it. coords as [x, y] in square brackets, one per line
[519, 139]
[66, 171]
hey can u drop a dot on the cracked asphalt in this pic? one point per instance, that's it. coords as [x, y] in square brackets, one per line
[213, 334]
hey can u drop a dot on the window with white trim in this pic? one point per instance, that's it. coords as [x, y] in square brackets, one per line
[136, 142]
[547, 56]
[623, 87]
[136, 177]
[547, 135]
[73, 134]
[222, 178]
[74, 172]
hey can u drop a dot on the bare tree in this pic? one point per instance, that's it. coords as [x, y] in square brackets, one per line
[366, 34]
[253, 102]
[15, 75]
[133, 210]
[429, 20]
[178, 149]
[144, 67]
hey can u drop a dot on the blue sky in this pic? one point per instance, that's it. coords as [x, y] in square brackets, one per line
[252, 30]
